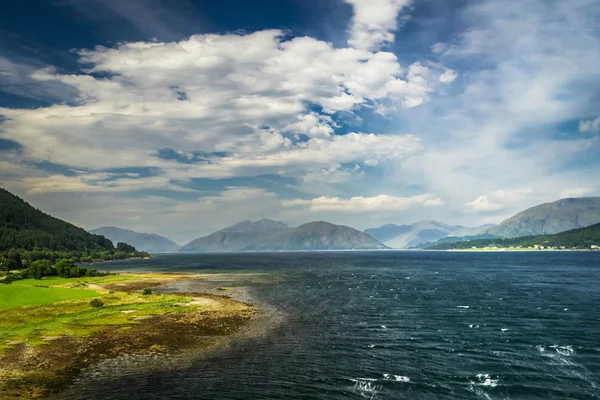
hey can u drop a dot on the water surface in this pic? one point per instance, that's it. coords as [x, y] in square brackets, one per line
[396, 325]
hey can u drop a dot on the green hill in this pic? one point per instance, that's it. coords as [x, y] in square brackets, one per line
[24, 227]
[583, 238]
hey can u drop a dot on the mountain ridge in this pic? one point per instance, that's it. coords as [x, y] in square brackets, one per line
[149, 242]
[269, 235]
[551, 218]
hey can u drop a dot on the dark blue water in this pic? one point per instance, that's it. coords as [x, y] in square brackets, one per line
[398, 325]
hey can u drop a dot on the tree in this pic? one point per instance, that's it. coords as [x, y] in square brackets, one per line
[40, 268]
[125, 248]
[63, 267]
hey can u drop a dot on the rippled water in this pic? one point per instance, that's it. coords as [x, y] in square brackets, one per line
[397, 325]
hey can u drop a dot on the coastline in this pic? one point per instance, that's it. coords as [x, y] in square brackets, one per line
[208, 317]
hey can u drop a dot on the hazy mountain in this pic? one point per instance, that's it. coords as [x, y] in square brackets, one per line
[407, 236]
[143, 241]
[236, 237]
[550, 218]
[474, 231]
[582, 238]
[318, 236]
[271, 235]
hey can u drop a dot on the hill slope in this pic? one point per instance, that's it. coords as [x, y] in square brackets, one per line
[236, 237]
[582, 238]
[318, 236]
[24, 227]
[142, 241]
[551, 218]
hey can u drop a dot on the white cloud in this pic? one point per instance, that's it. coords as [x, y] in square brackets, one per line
[216, 93]
[448, 76]
[375, 22]
[590, 126]
[379, 203]
[498, 200]
[575, 192]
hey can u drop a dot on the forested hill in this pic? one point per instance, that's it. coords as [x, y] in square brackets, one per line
[583, 238]
[24, 227]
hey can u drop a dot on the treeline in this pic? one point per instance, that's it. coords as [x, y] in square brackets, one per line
[583, 238]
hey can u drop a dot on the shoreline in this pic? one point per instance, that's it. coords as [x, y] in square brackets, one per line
[210, 316]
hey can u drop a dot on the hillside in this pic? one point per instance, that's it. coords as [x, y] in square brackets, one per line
[24, 227]
[318, 236]
[142, 241]
[272, 235]
[407, 236]
[236, 237]
[551, 218]
[582, 238]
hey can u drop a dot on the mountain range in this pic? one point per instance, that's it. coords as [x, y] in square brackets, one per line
[272, 235]
[149, 242]
[543, 219]
[414, 235]
[24, 227]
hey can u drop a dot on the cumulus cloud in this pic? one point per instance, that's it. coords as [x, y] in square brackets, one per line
[498, 200]
[590, 126]
[216, 93]
[379, 203]
[576, 192]
[375, 22]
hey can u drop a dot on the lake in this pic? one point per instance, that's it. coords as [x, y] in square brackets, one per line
[394, 325]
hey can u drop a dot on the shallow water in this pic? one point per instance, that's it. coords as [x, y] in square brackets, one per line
[395, 325]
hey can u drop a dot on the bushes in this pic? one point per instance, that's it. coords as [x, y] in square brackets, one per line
[147, 292]
[97, 303]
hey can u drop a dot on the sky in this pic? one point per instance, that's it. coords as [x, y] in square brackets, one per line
[181, 117]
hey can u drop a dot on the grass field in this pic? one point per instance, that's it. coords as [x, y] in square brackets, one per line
[49, 334]
[34, 310]
[16, 296]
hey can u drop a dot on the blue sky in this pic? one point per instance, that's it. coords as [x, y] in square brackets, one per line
[182, 117]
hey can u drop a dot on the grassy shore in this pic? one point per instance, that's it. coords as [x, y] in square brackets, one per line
[50, 330]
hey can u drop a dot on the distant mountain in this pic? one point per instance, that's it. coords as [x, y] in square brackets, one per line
[582, 238]
[474, 231]
[236, 237]
[551, 218]
[143, 241]
[271, 235]
[318, 236]
[24, 227]
[408, 236]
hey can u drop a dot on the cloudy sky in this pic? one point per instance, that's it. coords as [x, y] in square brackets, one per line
[181, 117]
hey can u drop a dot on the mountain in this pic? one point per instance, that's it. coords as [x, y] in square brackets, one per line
[474, 231]
[318, 236]
[236, 237]
[407, 236]
[582, 238]
[551, 218]
[271, 235]
[142, 241]
[24, 227]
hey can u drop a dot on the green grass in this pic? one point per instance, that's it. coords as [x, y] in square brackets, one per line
[17, 296]
[33, 314]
